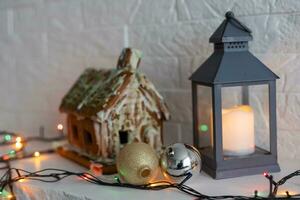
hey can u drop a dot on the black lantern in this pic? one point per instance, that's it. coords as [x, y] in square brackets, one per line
[234, 107]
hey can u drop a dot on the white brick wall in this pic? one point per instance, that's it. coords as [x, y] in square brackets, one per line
[45, 45]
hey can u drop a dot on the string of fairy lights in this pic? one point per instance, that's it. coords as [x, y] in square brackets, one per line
[17, 143]
[50, 175]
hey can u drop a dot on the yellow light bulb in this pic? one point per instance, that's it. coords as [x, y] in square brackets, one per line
[18, 139]
[21, 180]
[60, 127]
[19, 145]
[37, 154]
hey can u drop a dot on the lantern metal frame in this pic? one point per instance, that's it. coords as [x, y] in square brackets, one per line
[232, 64]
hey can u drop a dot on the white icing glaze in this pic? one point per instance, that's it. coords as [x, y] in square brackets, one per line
[138, 109]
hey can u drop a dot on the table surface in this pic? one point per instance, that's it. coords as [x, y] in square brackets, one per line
[75, 188]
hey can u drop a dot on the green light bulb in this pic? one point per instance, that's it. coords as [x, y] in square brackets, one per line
[12, 152]
[7, 137]
[203, 127]
[4, 193]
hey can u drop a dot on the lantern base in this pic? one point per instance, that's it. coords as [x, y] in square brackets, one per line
[222, 174]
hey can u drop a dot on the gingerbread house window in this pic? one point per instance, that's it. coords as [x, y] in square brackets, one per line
[88, 139]
[75, 132]
[123, 136]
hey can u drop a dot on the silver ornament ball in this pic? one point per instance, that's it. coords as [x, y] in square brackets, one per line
[179, 159]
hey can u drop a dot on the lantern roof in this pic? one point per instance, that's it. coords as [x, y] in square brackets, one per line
[232, 67]
[231, 62]
[231, 30]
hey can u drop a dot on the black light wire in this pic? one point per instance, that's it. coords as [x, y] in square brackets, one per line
[51, 175]
[17, 156]
[54, 175]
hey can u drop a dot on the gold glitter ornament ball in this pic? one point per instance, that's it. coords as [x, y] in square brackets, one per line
[137, 163]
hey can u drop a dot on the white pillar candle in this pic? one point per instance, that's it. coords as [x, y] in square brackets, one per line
[238, 131]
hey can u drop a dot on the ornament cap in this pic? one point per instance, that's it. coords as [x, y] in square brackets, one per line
[144, 172]
[229, 14]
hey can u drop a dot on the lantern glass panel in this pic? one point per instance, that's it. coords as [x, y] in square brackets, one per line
[204, 123]
[245, 120]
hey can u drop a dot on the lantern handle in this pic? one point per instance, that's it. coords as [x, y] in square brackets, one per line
[230, 15]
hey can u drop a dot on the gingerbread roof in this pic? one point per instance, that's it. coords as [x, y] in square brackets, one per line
[100, 90]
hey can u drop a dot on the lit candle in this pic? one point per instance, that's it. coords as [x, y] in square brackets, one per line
[238, 130]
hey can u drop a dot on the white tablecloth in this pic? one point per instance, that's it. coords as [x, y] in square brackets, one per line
[75, 188]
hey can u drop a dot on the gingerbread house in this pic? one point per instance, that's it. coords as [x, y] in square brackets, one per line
[109, 108]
